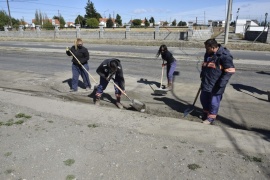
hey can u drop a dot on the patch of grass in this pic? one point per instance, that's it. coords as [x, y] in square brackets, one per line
[19, 122]
[69, 162]
[10, 122]
[8, 153]
[200, 151]
[22, 115]
[50, 121]
[70, 177]
[92, 125]
[193, 166]
[252, 159]
[1, 123]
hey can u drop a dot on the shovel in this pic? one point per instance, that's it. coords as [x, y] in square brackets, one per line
[160, 90]
[190, 109]
[139, 106]
[84, 68]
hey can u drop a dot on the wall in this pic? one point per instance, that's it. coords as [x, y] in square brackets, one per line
[102, 34]
[259, 35]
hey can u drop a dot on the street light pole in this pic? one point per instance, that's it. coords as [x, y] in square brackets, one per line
[228, 22]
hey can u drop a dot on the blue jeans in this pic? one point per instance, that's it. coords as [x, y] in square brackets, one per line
[77, 70]
[170, 70]
[103, 85]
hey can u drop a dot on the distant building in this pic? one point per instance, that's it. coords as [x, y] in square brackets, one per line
[103, 22]
[241, 25]
[69, 24]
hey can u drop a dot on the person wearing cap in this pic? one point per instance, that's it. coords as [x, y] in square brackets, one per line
[110, 69]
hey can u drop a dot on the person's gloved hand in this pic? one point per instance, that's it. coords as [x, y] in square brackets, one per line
[67, 48]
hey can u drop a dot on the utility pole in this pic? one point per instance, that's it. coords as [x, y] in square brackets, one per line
[265, 21]
[235, 24]
[10, 21]
[227, 27]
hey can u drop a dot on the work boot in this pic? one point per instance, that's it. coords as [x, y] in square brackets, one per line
[97, 101]
[169, 86]
[118, 104]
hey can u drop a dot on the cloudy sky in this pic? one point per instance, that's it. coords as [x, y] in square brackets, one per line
[161, 10]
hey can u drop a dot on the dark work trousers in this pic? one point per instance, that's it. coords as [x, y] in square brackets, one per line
[103, 85]
[210, 104]
[170, 70]
[77, 70]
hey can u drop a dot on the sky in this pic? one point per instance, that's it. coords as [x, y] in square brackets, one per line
[160, 10]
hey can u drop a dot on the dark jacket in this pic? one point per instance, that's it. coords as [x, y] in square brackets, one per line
[216, 71]
[167, 56]
[105, 71]
[81, 54]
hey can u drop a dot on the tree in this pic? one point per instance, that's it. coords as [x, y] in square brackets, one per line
[4, 19]
[92, 22]
[109, 22]
[80, 20]
[38, 17]
[152, 20]
[91, 11]
[182, 23]
[165, 23]
[146, 23]
[174, 22]
[118, 20]
[47, 24]
[137, 22]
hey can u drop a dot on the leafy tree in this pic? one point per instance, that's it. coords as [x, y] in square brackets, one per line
[137, 22]
[92, 22]
[4, 19]
[174, 22]
[80, 20]
[91, 11]
[165, 23]
[47, 24]
[109, 22]
[118, 20]
[146, 23]
[38, 17]
[182, 23]
[152, 20]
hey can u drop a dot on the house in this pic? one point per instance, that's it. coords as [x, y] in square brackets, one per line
[69, 24]
[103, 22]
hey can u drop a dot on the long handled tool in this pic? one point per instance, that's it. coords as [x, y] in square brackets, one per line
[190, 109]
[160, 90]
[83, 67]
[139, 106]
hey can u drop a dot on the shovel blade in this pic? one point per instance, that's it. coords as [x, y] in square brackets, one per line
[160, 91]
[188, 111]
[139, 106]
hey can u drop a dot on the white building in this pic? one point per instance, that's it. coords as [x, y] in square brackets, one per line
[241, 25]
